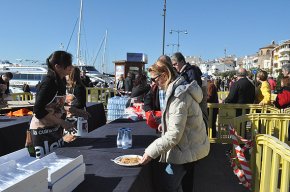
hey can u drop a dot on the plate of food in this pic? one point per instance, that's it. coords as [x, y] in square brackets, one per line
[128, 160]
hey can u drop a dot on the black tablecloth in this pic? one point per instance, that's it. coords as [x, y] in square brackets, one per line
[99, 147]
[98, 116]
[13, 133]
[13, 129]
[212, 173]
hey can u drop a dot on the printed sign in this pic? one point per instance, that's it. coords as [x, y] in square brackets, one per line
[120, 70]
[254, 71]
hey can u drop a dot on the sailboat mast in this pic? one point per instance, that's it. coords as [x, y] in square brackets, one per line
[79, 34]
[105, 45]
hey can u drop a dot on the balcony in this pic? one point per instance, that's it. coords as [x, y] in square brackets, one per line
[284, 58]
[284, 50]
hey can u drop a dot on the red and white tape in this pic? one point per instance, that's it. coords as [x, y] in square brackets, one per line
[239, 162]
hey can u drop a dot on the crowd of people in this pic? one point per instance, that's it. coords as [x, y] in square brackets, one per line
[181, 92]
[225, 84]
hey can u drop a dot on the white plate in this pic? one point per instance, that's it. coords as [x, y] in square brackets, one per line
[117, 160]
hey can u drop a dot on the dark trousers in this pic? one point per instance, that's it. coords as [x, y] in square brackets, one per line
[161, 177]
[187, 181]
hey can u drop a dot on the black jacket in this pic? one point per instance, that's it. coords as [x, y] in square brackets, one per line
[192, 72]
[128, 84]
[79, 92]
[242, 92]
[86, 81]
[151, 100]
[139, 93]
[50, 86]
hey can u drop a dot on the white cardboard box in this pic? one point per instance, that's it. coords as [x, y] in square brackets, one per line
[21, 157]
[58, 166]
[70, 181]
[22, 180]
[63, 173]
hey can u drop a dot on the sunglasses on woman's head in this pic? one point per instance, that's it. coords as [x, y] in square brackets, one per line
[154, 78]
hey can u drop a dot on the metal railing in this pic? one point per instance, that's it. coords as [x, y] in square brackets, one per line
[268, 127]
[223, 94]
[275, 125]
[226, 115]
[96, 94]
[21, 96]
[271, 165]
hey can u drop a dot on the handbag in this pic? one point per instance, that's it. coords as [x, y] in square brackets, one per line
[153, 118]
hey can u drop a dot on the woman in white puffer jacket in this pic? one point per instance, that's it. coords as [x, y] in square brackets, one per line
[184, 139]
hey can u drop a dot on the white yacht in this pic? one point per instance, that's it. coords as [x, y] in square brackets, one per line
[94, 74]
[30, 75]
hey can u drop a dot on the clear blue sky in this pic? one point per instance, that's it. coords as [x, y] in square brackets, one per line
[32, 29]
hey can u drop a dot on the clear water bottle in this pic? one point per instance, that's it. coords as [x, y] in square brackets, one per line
[120, 137]
[129, 130]
[125, 139]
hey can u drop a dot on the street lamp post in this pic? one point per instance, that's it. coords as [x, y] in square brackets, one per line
[178, 31]
[164, 25]
[225, 51]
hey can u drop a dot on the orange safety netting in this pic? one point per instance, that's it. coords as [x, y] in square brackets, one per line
[19, 113]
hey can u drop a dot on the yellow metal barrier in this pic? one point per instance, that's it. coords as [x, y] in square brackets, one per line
[273, 96]
[222, 94]
[286, 110]
[226, 115]
[96, 94]
[275, 125]
[271, 166]
[21, 96]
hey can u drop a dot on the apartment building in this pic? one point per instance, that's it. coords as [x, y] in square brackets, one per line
[265, 56]
[250, 61]
[281, 55]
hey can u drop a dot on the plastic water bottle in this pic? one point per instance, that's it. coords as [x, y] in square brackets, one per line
[120, 137]
[129, 130]
[125, 139]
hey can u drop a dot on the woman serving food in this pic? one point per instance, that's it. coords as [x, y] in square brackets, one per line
[48, 121]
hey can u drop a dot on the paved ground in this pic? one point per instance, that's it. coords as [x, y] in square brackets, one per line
[214, 173]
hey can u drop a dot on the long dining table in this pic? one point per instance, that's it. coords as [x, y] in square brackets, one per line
[98, 148]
